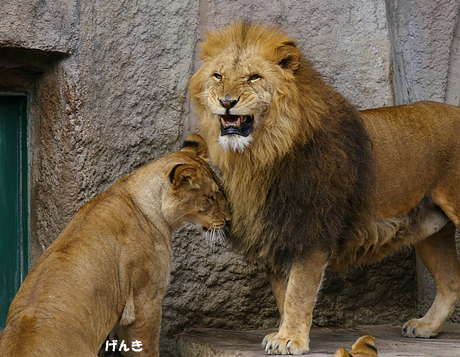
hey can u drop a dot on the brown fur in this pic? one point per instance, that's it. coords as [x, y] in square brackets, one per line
[317, 180]
[108, 270]
[363, 347]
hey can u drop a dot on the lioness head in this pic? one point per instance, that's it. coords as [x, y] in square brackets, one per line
[247, 85]
[194, 195]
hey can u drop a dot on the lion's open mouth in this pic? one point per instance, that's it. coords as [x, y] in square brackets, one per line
[236, 124]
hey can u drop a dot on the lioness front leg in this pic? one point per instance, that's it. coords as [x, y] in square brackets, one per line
[142, 333]
[439, 254]
[304, 282]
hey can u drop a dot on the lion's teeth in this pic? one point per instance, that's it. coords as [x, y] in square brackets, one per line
[235, 124]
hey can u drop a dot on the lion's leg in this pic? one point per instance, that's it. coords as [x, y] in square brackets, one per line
[279, 287]
[439, 254]
[304, 282]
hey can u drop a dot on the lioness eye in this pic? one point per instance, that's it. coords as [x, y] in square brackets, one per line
[217, 76]
[254, 77]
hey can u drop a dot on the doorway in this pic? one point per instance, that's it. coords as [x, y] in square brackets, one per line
[14, 242]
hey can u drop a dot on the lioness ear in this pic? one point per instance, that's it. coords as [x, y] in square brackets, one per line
[365, 344]
[184, 175]
[288, 56]
[342, 352]
[196, 144]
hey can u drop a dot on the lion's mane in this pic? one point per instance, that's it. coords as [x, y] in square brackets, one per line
[306, 179]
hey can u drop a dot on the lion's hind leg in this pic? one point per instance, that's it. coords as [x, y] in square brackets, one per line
[438, 253]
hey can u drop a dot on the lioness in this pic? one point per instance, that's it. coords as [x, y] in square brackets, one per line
[314, 183]
[108, 269]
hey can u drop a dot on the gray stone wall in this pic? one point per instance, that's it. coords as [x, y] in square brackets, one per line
[107, 86]
[425, 50]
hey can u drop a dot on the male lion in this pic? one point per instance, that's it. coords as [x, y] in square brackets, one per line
[314, 183]
[108, 270]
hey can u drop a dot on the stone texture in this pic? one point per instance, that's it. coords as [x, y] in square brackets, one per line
[211, 286]
[107, 86]
[46, 25]
[422, 35]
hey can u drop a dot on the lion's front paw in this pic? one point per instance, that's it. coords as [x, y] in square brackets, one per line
[276, 344]
[418, 328]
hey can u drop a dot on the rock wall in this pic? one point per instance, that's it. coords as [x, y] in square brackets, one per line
[107, 86]
[425, 50]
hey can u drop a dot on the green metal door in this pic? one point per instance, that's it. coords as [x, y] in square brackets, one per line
[13, 199]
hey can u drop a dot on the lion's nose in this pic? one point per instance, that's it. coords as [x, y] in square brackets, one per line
[228, 103]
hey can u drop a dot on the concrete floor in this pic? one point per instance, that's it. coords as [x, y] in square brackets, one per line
[324, 342]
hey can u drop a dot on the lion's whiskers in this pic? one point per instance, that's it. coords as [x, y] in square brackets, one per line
[214, 235]
[178, 218]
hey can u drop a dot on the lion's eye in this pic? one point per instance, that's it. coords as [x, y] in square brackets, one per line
[217, 76]
[254, 77]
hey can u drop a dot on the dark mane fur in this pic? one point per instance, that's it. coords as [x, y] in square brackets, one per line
[322, 199]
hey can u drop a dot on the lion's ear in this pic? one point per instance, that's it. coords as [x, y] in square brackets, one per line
[196, 144]
[342, 352]
[288, 56]
[184, 175]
